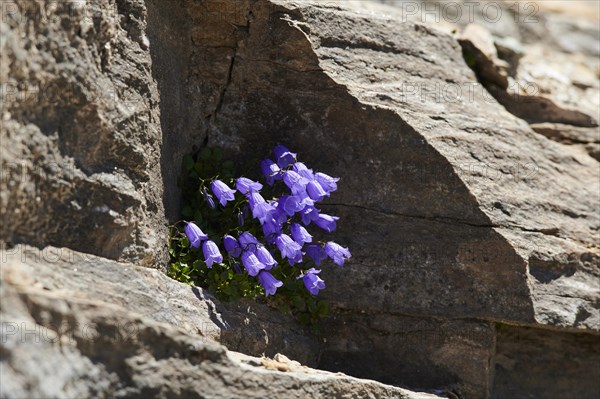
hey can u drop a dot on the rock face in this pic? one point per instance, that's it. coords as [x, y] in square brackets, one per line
[152, 294]
[445, 196]
[476, 265]
[81, 136]
[115, 342]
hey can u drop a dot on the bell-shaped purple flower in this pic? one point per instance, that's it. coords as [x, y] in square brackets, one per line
[232, 246]
[299, 234]
[248, 241]
[312, 282]
[288, 248]
[271, 171]
[262, 212]
[315, 191]
[327, 182]
[245, 185]
[306, 200]
[309, 214]
[260, 208]
[316, 252]
[271, 229]
[194, 235]
[303, 171]
[265, 257]
[337, 253]
[326, 222]
[208, 198]
[251, 263]
[283, 156]
[297, 258]
[254, 198]
[222, 192]
[269, 283]
[211, 253]
[294, 181]
[290, 204]
[279, 215]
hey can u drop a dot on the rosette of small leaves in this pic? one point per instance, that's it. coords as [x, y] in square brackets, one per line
[242, 238]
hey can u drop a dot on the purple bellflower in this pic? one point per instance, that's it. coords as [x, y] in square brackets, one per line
[246, 186]
[296, 258]
[271, 171]
[283, 156]
[327, 182]
[288, 248]
[290, 204]
[303, 171]
[195, 235]
[309, 214]
[326, 222]
[278, 214]
[247, 241]
[254, 198]
[299, 234]
[316, 252]
[295, 182]
[315, 191]
[312, 282]
[251, 263]
[232, 246]
[269, 283]
[265, 257]
[222, 192]
[271, 229]
[261, 210]
[337, 253]
[208, 198]
[211, 253]
[303, 189]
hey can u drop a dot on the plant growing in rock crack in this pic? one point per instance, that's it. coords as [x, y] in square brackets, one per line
[246, 239]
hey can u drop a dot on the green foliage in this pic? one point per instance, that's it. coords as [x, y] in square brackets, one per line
[229, 281]
[470, 59]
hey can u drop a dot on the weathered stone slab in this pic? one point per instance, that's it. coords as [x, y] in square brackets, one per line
[61, 342]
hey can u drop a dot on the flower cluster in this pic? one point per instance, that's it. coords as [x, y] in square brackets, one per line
[281, 238]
